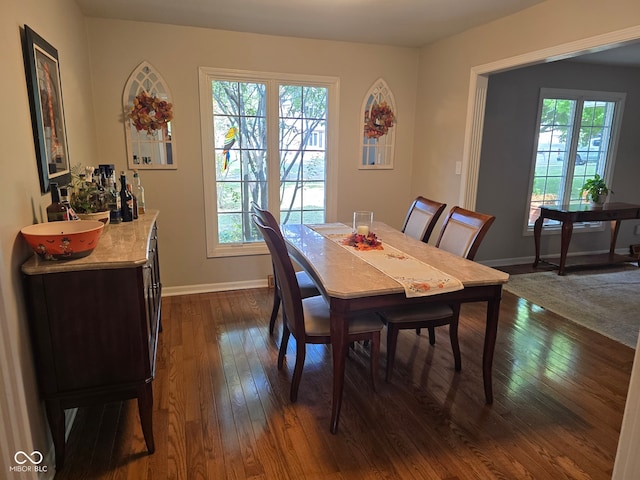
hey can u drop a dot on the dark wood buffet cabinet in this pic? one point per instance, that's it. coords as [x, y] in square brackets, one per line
[94, 325]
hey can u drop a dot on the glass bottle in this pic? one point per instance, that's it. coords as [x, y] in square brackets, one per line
[64, 199]
[135, 201]
[139, 193]
[56, 212]
[113, 200]
[126, 200]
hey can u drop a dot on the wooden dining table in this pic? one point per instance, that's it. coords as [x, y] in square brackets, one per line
[350, 285]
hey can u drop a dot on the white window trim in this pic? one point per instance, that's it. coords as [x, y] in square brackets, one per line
[619, 98]
[205, 76]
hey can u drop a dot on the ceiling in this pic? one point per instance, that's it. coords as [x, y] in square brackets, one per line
[404, 23]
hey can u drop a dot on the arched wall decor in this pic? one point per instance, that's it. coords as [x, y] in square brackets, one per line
[378, 119]
[148, 114]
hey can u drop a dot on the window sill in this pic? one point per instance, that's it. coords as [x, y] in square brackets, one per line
[238, 250]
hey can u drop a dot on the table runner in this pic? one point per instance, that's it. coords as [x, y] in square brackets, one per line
[417, 278]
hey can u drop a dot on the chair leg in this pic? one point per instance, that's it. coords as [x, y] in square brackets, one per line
[455, 346]
[392, 339]
[418, 331]
[432, 335]
[274, 311]
[284, 342]
[374, 354]
[301, 353]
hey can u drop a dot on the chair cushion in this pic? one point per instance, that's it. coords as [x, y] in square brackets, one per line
[316, 319]
[307, 287]
[418, 313]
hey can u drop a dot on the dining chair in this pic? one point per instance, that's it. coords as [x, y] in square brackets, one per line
[461, 234]
[307, 286]
[422, 218]
[308, 319]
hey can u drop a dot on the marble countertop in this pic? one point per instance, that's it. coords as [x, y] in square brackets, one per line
[120, 246]
[344, 275]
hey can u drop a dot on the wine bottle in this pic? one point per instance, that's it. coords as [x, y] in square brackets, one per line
[56, 212]
[126, 200]
[135, 201]
[139, 193]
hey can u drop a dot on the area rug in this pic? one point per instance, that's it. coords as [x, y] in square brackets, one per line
[607, 301]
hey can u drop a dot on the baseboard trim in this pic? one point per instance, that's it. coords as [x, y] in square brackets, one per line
[212, 287]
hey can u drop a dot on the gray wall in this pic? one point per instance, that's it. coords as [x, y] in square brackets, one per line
[507, 150]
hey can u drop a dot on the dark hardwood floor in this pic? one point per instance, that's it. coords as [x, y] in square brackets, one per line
[222, 410]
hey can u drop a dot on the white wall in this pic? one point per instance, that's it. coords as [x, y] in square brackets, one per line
[117, 47]
[61, 24]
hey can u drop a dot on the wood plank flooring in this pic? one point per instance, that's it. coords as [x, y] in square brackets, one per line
[222, 410]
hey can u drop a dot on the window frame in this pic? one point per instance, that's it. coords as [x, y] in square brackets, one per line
[272, 81]
[619, 99]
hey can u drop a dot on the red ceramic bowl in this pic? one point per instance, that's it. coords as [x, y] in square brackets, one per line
[63, 240]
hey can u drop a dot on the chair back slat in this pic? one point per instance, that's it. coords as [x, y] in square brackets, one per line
[463, 231]
[422, 218]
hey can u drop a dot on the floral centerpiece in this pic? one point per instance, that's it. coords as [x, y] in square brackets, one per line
[363, 242]
[378, 120]
[150, 113]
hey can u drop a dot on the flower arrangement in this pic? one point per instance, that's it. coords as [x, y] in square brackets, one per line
[363, 242]
[150, 113]
[378, 120]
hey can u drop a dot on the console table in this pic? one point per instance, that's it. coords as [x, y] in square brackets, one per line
[94, 325]
[569, 214]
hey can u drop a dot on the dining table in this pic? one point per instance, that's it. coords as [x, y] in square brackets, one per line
[351, 285]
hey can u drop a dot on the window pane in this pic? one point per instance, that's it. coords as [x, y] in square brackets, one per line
[228, 196]
[313, 196]
[239, 110]
[303, 111]
[313, 166]
[230, 228]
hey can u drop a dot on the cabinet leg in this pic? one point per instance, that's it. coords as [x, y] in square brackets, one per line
[537, 231]
[55, 416]
[615, 228]
[567, 230]
[145, 409]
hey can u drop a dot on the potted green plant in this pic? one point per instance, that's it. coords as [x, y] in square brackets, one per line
[596, 190]
[87, 199]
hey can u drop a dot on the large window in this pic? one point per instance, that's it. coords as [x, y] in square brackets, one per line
[577, 134]
[265, 140]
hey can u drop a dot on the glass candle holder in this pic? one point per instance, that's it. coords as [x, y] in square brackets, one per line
[362, 221]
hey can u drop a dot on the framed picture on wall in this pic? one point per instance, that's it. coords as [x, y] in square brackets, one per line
[47, 110]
